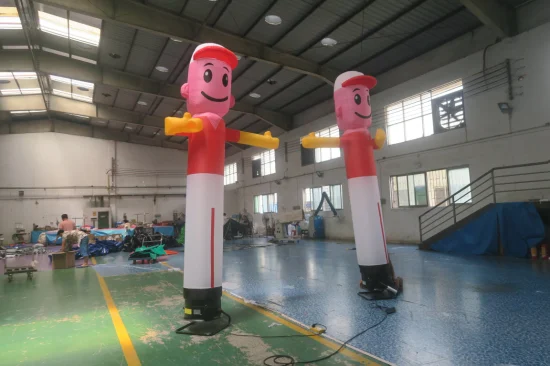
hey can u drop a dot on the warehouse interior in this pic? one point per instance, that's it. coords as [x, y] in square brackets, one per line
[101, 207]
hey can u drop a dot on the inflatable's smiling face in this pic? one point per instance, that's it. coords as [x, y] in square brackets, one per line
[352, 100]
[353, 108]
[208, 87]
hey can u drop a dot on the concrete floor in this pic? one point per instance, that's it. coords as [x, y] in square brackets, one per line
[116, 313]
[454, 310]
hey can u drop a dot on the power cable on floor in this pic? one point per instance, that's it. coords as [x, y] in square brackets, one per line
[286, 360]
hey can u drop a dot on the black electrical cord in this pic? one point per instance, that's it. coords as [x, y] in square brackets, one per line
[286, 360]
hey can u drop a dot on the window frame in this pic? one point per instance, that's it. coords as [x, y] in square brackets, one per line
[263, 163]
[274, 198]
[423, 104]
[230, 174]
[425, 173]
[330, 188]
[407, 176]
[319, 150]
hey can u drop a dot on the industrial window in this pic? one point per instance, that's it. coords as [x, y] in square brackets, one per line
[230, 174]
[430, 188]
[263, 164]
[424, 114]
[9, 18]
[75, 31]
[71, 88]
[265, 203]
[327, 153]
[312, 197]
[18, 83]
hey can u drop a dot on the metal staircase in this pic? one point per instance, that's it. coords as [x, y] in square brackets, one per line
[514, 183]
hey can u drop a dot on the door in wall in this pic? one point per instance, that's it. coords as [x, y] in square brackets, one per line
[103, 220]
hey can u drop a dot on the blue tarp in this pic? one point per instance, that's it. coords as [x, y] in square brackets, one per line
[100, 248]
[479, 236]
[521, 228]
[109, 232]
[35, 234]
[518, 226]
[164, 230]
[50, 238]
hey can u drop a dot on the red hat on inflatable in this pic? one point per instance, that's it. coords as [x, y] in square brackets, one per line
[351, 78]
[217, 52]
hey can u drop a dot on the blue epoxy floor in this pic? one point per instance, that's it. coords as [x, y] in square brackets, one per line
[454, 310]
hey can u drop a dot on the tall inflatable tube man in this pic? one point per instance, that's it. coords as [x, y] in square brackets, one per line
[208, 95]
[354, 117]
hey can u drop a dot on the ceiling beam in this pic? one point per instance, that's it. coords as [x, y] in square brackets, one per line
[49, 63]
[499, 17]
[85, 130]
[141, 16]
[70, 106]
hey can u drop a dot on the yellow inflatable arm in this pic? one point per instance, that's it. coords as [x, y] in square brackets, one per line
[185, 124]
[253, 139]
[313, 142]
[379, 139]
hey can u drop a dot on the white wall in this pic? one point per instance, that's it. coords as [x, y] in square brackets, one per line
[490, 138]
[52, 160]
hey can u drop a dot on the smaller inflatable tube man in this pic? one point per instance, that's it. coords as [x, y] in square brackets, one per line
[208, 95]
[354, 117]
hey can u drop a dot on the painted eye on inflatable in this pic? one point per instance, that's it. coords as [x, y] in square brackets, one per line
[357, 99]
[225, 80]
[207, 75]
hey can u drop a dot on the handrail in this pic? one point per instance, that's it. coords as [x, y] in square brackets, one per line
[448, 198]
[490, 176]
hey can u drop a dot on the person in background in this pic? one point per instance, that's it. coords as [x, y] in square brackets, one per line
[66, 224]
[179, 224]
[84, 252]
[68, 239]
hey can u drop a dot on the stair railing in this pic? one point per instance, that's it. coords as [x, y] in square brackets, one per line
[501, 184]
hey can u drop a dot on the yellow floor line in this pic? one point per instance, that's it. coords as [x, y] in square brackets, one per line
[125, 342]
[324, 341]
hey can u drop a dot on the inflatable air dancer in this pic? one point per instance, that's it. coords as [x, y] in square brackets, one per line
[354, 117]
[208, 95]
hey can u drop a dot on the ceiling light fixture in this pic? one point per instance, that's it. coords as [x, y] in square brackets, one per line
[176, 40]
[129, 128]
[273, 19]
[161, 68]
[255, 95]
[329, 42]
[141, 102]
[114, 55]
[271, 81]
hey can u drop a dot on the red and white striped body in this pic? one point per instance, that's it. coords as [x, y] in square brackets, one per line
[368, 225]
[204, 231]
[364, 194]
